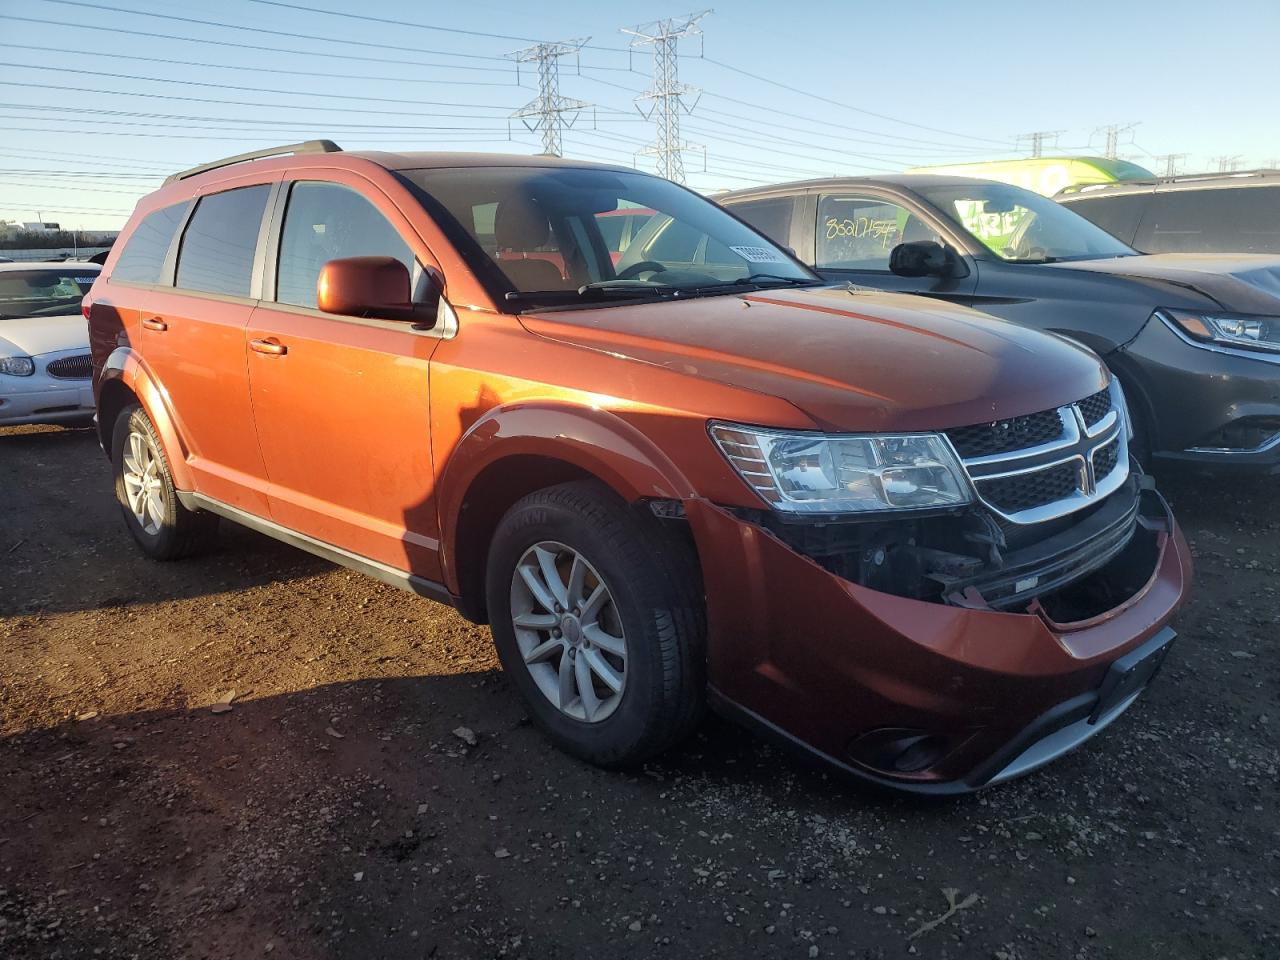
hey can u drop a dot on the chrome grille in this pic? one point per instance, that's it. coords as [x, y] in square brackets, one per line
[71, 368]
[1027, 473]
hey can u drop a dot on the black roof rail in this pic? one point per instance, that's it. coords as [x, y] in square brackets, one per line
[309, 146]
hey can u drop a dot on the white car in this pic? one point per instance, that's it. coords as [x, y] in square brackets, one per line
[45, 369]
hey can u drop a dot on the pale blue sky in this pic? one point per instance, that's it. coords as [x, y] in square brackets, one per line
[964, 79]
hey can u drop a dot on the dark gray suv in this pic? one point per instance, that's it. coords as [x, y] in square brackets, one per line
[1194, 339]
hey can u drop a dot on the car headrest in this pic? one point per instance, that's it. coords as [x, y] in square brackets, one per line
[520, 224]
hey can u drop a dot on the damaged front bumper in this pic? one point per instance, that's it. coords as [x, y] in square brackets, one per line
[945, 695]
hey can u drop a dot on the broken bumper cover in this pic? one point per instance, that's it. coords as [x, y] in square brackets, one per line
[919, 696]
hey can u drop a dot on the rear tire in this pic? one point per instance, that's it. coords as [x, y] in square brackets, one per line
[162, 526]
[598, 620]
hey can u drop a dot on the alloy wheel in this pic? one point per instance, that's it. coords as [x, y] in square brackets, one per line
[143, 482]
[569, 632]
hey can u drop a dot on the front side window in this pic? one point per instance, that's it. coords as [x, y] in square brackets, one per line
[43, 292]
[327, 221]
[1020, 226]
[549, 235]
[858, 233]
[217, 251]
[143, 255]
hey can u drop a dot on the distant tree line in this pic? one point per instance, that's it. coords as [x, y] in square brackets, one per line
[48, 239]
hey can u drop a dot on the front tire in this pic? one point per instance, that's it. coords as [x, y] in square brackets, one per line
[597, 619]
[161, 525]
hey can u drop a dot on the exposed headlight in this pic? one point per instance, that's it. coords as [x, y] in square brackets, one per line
[17, 366]
[1236, 329]
[817, 473]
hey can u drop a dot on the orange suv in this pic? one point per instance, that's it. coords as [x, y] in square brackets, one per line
[901, 534]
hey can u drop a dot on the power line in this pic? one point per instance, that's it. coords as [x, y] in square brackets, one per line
[835, 103]
[549, 109]
[666, 96]
[398, 61]
[253, 89]
[263, 30]
[256, 68]
[418, 26]
[1038, 138]
[1170, 161]
[1113, 131]
[1227, 163]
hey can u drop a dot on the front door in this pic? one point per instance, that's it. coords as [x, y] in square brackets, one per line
[342, 404]
[193, 339]
[855, 234]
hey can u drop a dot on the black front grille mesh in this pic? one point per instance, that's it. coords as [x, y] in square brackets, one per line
[1095, 407]
[1027, 490]
[71, 368]
[1104, 460]
[986, 439]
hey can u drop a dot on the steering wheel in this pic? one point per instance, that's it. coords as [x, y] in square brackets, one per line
[639, 267]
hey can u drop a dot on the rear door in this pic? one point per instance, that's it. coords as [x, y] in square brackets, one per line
[192, 336]
[1237, 219]
[341, 403]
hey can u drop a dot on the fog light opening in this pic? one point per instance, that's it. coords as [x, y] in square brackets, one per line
[898, 750]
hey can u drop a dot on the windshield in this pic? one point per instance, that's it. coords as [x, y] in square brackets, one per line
[556, 235]
[1023, 227]
[43, 291]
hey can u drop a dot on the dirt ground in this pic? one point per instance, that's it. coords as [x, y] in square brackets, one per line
[332, 812]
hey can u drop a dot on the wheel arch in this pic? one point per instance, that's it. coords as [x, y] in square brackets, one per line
[126, 380]
[511, 453]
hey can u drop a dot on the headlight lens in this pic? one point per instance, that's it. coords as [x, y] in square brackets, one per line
[1238, 330]
[816, 473]
[17, 366]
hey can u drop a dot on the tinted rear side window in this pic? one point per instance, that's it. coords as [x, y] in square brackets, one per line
[217, 249]
[772, 216]
[143, 255]
[1225, 220]
[1118, 215]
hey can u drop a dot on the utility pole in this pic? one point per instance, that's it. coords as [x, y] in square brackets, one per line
[665, 99]
[1226, 162]
[1113, 132]
[1037, 139]
[1171, 162]
[549, 113]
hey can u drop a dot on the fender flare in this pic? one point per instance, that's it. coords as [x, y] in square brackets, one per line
[126, 366]
[598, 442]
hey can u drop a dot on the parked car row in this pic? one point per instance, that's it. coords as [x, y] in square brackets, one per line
[1194, 340]
[681, 455]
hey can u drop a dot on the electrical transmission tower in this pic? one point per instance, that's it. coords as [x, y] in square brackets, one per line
[1171, 162]
[1038, 139]
[1227, 162]
[549, 113]
[665, 100]
[1114, 131]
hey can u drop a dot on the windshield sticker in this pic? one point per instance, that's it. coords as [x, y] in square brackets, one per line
[88, 280]
[758, 255]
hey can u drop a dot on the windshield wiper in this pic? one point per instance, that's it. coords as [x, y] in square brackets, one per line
[625, 286]
[793, 281]
[599, 288]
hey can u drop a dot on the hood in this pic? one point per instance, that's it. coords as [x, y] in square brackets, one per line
[1240, 282]
[851, 360]
[33, 336]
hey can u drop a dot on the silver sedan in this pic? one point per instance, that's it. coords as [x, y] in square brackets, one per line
[45, 368]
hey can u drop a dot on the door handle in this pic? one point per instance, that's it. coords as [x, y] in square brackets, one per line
[270, 346]
[156, 324]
